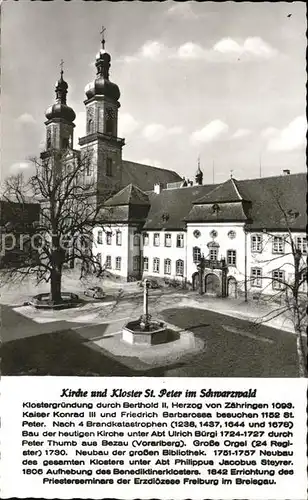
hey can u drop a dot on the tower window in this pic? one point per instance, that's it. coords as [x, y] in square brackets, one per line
[90, 126]
[110, 121]
[65, 143]
[109, 167]
[48, 142]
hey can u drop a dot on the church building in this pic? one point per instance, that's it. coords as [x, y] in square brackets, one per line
[223, 239]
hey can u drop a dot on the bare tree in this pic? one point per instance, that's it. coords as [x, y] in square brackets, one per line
[288, 289]
[69, 210]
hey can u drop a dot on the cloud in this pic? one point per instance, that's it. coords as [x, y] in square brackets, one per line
[293, 136]
[19, 167]
[269, 132]
[225, 50]
[127, 124]
[156, 131]
[80, 126]
[241, 132]
[26, 119]
[210, 132]
[182, 10]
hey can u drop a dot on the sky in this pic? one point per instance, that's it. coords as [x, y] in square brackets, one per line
[221, 81]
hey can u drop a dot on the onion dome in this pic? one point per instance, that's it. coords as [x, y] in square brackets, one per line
[102, 85]
[60, 109]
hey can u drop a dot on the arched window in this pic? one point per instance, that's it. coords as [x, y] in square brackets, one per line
[90, 126]
[179, 267]
[48, 142]
[109, 121]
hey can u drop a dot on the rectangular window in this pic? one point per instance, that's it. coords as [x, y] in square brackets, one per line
[301, 244]
[156, 240]
[136, 263]
[256, 243]
[180, 240]
[108, 261]
[118, 263]
[256, 277]
[100, 237]
[119, 238]
[167, 240]
[136, 240]
[213, 253]
[145, 263]
[145, 237]
[196, 254]
[108, 238]
[109, 167]
[167, 266]
[179, 267]
[155, 265]
[231, 257]
[278, 279]
[278, 244]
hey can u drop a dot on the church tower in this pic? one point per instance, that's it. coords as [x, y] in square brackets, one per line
[101, 139]
[60, 118]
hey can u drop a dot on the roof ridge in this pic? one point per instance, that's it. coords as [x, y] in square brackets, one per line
[236, 188]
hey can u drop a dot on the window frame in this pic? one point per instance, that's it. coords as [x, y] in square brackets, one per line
[118, 238]
[136, 259]
[277, 241]
[146, 264]
[256, 241]
[167, 262]
[277, 285]
[100, 233]
[108, 237]
[145, 239]
[195, 260]
[156, 265]
[179, 240]
[109, 164]
[156, 237]
[136, 238]
[256, 281]
[108, 263]
[118, 260]
[168, 236]
[231, 257]
[302, 246]
[181, 263]
[215, 250]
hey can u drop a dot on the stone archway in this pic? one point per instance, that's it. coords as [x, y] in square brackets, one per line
[195, 281]
[212, 285]
[232, 287]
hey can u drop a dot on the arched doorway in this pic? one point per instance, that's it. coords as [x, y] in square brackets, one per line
[232, 287]
[195, 281]
[212, 284]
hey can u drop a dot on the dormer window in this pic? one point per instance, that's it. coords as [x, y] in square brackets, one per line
[215, 209]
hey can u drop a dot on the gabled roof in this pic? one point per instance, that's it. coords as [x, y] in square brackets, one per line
[130, 195]
[227, 192]
[145, 176]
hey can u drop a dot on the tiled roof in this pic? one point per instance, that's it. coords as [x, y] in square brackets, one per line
[225, 212]
[145, 176]
[170, 207]
[130, 195]
[226, 192]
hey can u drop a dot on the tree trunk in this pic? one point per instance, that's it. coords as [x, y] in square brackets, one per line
[302, 368]
[55, 285]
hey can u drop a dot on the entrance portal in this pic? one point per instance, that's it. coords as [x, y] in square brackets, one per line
[232, 287]
[195, 281]
[212, 284]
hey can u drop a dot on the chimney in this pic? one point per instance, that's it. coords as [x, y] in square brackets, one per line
[157, 188]
[286, 171]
